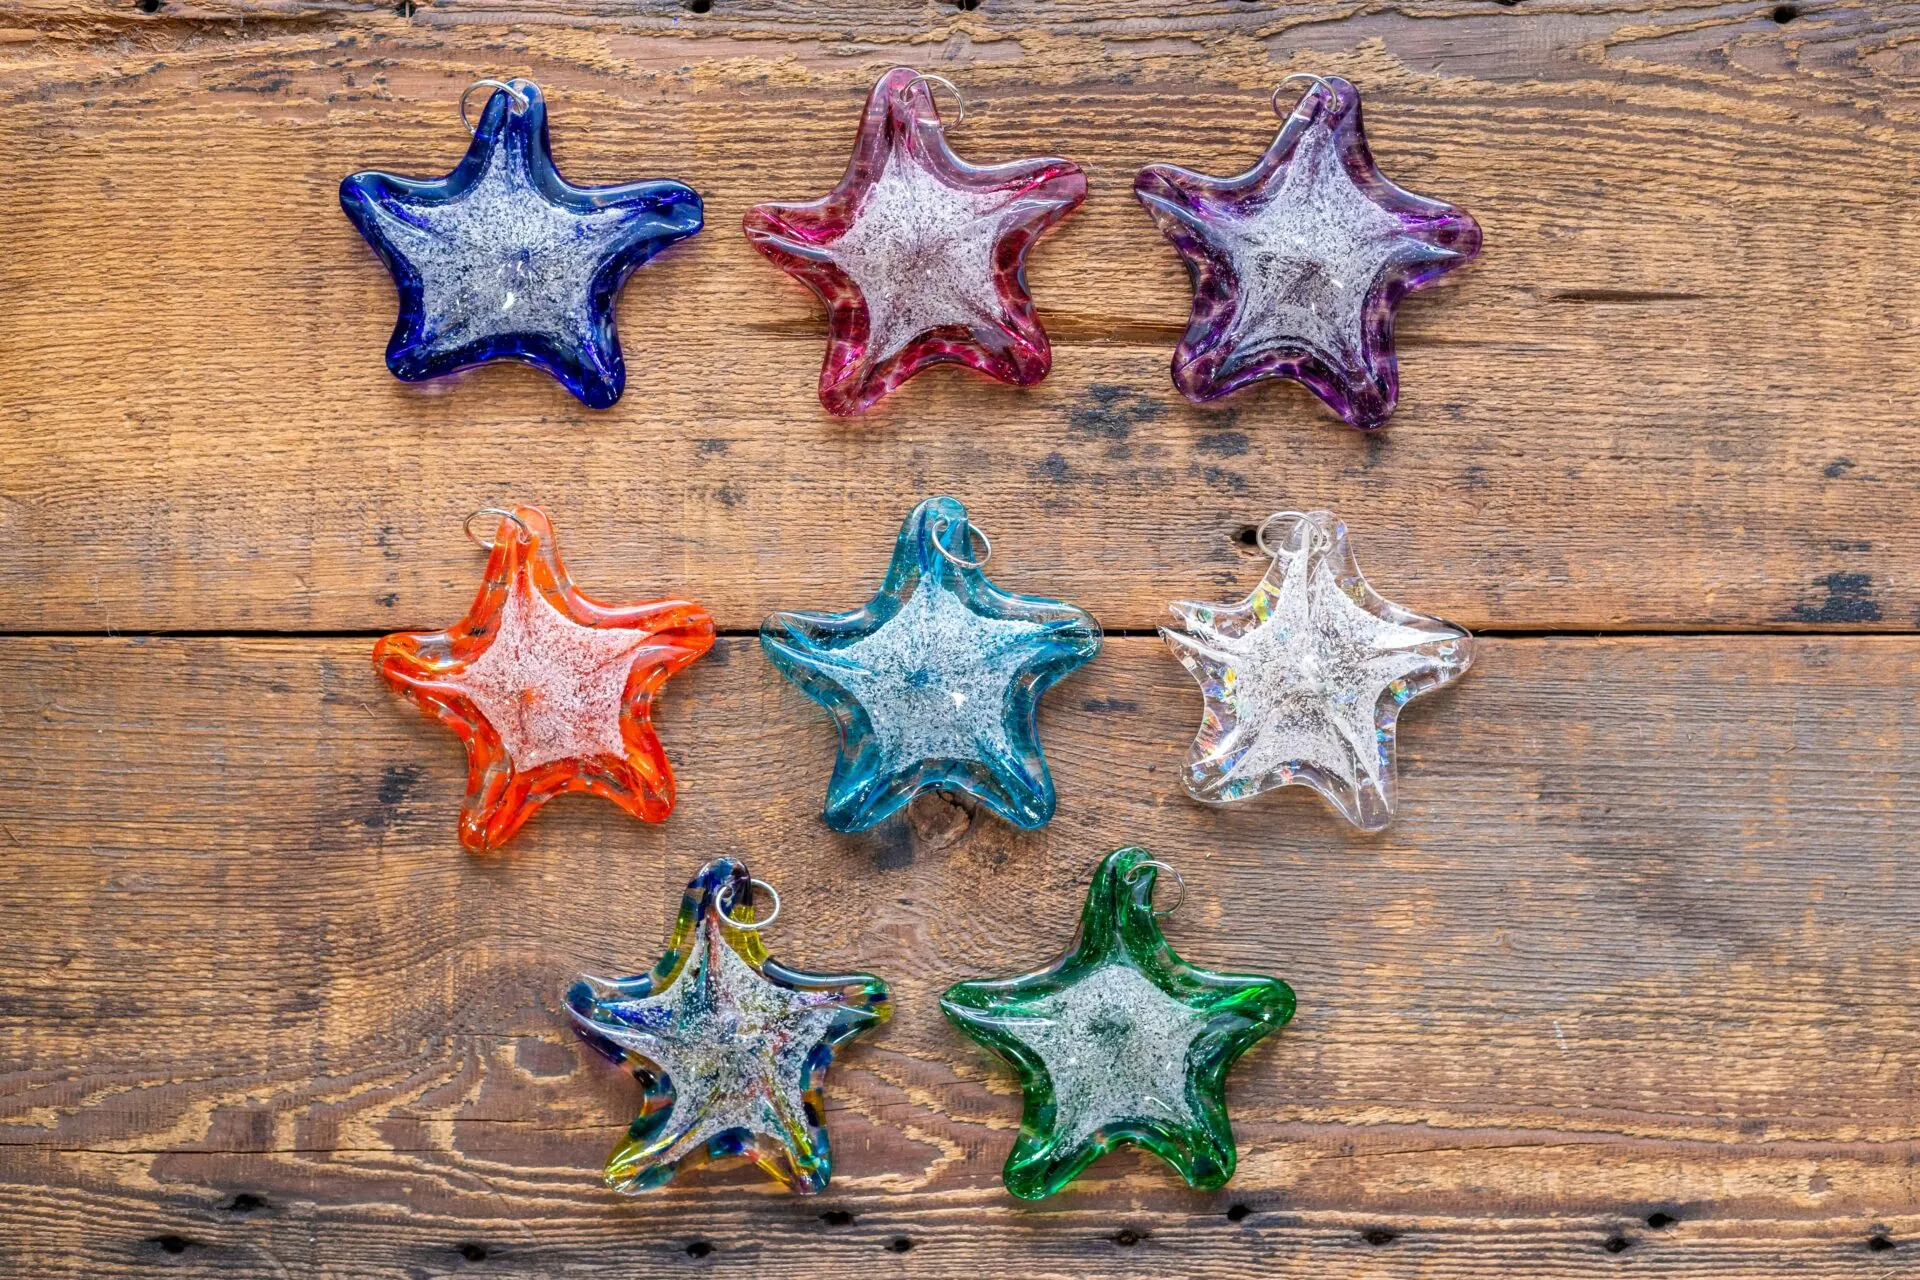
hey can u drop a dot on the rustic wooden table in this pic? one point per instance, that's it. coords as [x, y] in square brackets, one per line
[1629, 986]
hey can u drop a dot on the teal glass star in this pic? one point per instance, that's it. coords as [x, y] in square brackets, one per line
[1120, 1041]
[731, 1046]
[936, 681]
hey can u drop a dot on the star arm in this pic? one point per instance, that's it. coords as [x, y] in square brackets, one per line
[1209, 665]
[1019, 785]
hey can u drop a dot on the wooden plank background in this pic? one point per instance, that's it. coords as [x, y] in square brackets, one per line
[1627, 989]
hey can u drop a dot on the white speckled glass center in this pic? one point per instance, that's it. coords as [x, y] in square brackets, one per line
[1307, 257]
[1115, 1049]
[734, 1045]
[921, 253]
[550, 687]
[1304, 683]
[934, 679]
[503, 258]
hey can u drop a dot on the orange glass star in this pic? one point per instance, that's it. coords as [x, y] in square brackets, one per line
[551, 692]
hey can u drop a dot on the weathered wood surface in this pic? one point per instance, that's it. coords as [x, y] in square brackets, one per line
[1629, 987]
[1641, 943]
[1675, 394]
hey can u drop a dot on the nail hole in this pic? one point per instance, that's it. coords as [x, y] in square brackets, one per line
[966, 5]
[699, 6]
[178, 1244]
[1785, 13]
[245, 1202]
[1238, 1213]
[406, 8]
[1379, 1236]
[1617, 1244]
[699, 1249]
[837, 1218]
[471, 1251]
[1127, 1237]
[1247, 536]
[148, 6]
[1879, 1244]
[899, 1244]
[1661, 1221]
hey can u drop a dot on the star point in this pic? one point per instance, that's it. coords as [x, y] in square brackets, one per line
[1120, 1041]
[505, 259]
[549, 690]
[731, 1046]
[936, 682]
[1303, 681]
[919, 256]
[1300, 263]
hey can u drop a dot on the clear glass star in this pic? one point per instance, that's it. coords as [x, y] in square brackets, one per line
[937, 681]
[1299, 263]
[1120, 1041]
[505, 259]
[919, 256]
[731, 1046]
[1304, 679]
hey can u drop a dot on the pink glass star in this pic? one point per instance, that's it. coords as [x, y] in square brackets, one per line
[919, 256]
[550, 691]
[1299, 263]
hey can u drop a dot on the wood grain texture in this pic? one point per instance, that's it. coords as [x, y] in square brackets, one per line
[1640, 944]
[1627, 988]
[1675, 393]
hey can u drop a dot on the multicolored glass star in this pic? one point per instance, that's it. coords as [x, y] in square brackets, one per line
[919, 256]
[550, 691]
[1299, 263]
[1120, 1041]
[503, 259]
[1304, 679]
[936, 681]
[732, 1047]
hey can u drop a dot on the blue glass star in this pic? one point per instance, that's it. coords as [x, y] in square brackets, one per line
[935, 682]
[731, 1045]
[503, 259]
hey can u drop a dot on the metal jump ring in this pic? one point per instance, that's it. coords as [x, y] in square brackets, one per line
[519, 95]
[1132, 877]
[1319, 82]
[959, 98]
[526, 534]
[973, 531]
[1318, 536]
[745, 926]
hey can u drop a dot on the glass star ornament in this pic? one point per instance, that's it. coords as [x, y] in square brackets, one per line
[936, 682]
[1299, 263]
[503, 259]
[1120, 1041]
[919, 256]
[731, 1047]
[1304, 680]
[549, 690]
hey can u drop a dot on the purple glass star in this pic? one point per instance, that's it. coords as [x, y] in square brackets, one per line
[1299, 263]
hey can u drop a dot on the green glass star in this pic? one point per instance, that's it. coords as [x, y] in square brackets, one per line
[1120, 1041]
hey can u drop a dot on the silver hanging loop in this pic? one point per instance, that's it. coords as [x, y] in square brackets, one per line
[526, 534]
[1133, 877]
[747, 926]
[1318, 539]
[960, 99]
[1319, 82]
[973, 531]
[510, 87]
